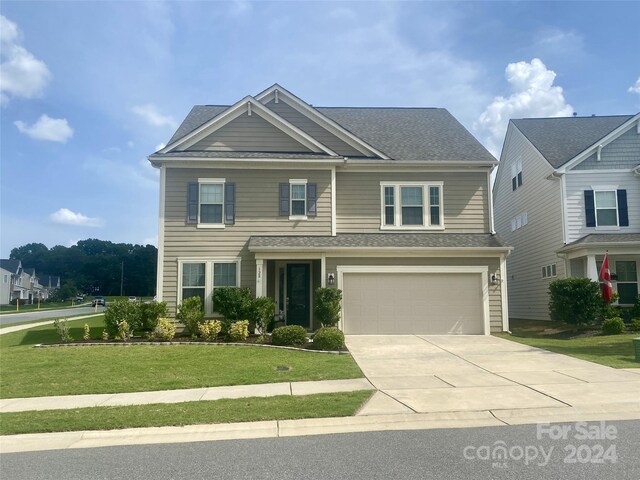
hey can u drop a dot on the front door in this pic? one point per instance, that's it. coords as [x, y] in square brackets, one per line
[298, 299]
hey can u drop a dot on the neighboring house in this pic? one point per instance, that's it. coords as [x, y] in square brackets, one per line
[391, 205]
[566, 192]
[49, 283]
[24, 284]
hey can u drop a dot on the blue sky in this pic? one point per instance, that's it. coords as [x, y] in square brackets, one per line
[89, 89]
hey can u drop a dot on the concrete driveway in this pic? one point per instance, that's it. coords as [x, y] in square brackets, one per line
[424, 374]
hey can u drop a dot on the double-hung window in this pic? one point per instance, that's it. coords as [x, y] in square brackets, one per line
[627, 272]
[516, 175]
[411, 205]
[211, 203]
[297, 199]
[606, 207]
[199, 278]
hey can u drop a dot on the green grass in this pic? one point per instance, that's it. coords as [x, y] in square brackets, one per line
[8, 309]
[35, 372]
[188, 413]
[612, 350]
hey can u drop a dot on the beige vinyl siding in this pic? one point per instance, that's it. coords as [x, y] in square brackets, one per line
[464, 199]
[578, 182]
[536, 243]
[249, 134]
[310, 127]
[492, 263]
[257, 193]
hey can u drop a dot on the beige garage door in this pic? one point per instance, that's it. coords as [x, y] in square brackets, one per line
[412, 303]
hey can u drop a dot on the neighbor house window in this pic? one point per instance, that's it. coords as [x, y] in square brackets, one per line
[606, 208]
[411, 205]
[627, 272]
[516, 175]
[201, 278]
[519, 221]
[549, 271]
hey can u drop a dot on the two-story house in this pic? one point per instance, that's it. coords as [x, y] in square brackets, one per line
[391, 205]
[567, 191]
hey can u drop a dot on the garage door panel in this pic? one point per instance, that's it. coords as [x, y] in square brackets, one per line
[412, 303]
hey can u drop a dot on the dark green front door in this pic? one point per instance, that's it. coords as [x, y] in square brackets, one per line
[298, 294]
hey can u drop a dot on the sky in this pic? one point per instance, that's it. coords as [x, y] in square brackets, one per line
[89, 89]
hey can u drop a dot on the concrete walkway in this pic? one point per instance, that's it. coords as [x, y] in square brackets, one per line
[427, 374]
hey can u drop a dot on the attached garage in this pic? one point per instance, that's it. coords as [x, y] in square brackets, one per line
[414, 300]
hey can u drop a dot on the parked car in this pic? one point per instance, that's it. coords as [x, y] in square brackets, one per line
[133, 299]
[99, 300]
[79, 298]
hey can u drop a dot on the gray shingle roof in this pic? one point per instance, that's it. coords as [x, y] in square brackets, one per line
[10, 264]
[209, 154]
[612, 239]
[409, 134]
[378, 240]
[561, 139]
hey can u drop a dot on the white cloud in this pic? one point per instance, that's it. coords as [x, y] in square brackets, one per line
[67, 217]
[151, 241]
[534, 95]
[635, 88]
[21, 74]
[150, 114]
[47, 128]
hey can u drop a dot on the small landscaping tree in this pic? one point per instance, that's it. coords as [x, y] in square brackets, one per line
[575, 301]
[233, 303]
[262, 310]
[327, 306]
[118, 312]
[149, 313]
[190, 314]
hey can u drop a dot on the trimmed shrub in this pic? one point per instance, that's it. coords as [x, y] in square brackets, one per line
[291, 335]
[63, 329]
[120, 311]
[329, 338]
[233, 303]
[165, 330]
[635, 325]
[239, 331]
[613, 326]
[575, 301]
[190, 314]
[262, 310]
[149, 313]
[209, 330]
[327, 306]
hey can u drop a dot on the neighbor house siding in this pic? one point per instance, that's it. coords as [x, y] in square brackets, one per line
[492, 263]
[249, 134]
[536, 243]
[256, 213]
[623, 152]
[578, 182]
[358, 200]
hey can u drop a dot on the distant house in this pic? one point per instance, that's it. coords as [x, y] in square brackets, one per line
[390, 205]
[566, 192]
[24, 284]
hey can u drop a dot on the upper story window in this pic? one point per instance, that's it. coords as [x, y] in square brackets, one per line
[519, 221]
[516, 175]
[211, 203]
[606, 207]
[298, 199]
[411, 205]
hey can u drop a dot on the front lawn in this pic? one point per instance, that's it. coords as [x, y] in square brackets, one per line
[612, 350]
[33, 372]
[8, 309]
[187, 413]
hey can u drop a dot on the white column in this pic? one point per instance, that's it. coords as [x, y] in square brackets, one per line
[261, 280]
[323, 271]
[592, 269]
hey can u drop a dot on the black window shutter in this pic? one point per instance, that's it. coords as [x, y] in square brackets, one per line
[284, 199]
[589, 208]
[311, 199]
[192, 203]
[623, 210]
[229, 203]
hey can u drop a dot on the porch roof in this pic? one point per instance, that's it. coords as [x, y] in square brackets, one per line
[604, 240]
[347, 241]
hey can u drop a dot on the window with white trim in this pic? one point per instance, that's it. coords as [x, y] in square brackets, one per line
[516, 175]
[201, 277]
[298, 199]
[549, 271]
[627, 281]
[211, 202]
[606, 205]
[519, 221]
[411, 205]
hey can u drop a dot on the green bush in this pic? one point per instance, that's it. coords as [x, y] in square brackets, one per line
[190, 314]
[233, 303]
[327, 306]
[209, 330]
[575, 301]
[239, 331]
[149, 313]
[635, 310]
[63, 329]
[329, 338]
[635, 325]
[613, 326]
[262, 311]
[291, 335]
[121, 311]
[165, 330]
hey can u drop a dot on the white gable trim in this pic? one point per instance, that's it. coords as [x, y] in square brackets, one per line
[252, 106]
[281, 94]
[601, 143]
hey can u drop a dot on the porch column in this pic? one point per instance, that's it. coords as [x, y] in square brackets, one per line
[261, 281]
[592, 269]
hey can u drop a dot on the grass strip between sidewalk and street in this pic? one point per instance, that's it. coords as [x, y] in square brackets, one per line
[188, 413]
[39, 372]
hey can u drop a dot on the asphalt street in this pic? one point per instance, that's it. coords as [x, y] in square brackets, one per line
[568, 451]
[16, 318]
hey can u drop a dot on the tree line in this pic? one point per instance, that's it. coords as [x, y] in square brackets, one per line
[94, 267]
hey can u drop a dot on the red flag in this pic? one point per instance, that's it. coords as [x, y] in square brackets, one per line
[605, 275]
